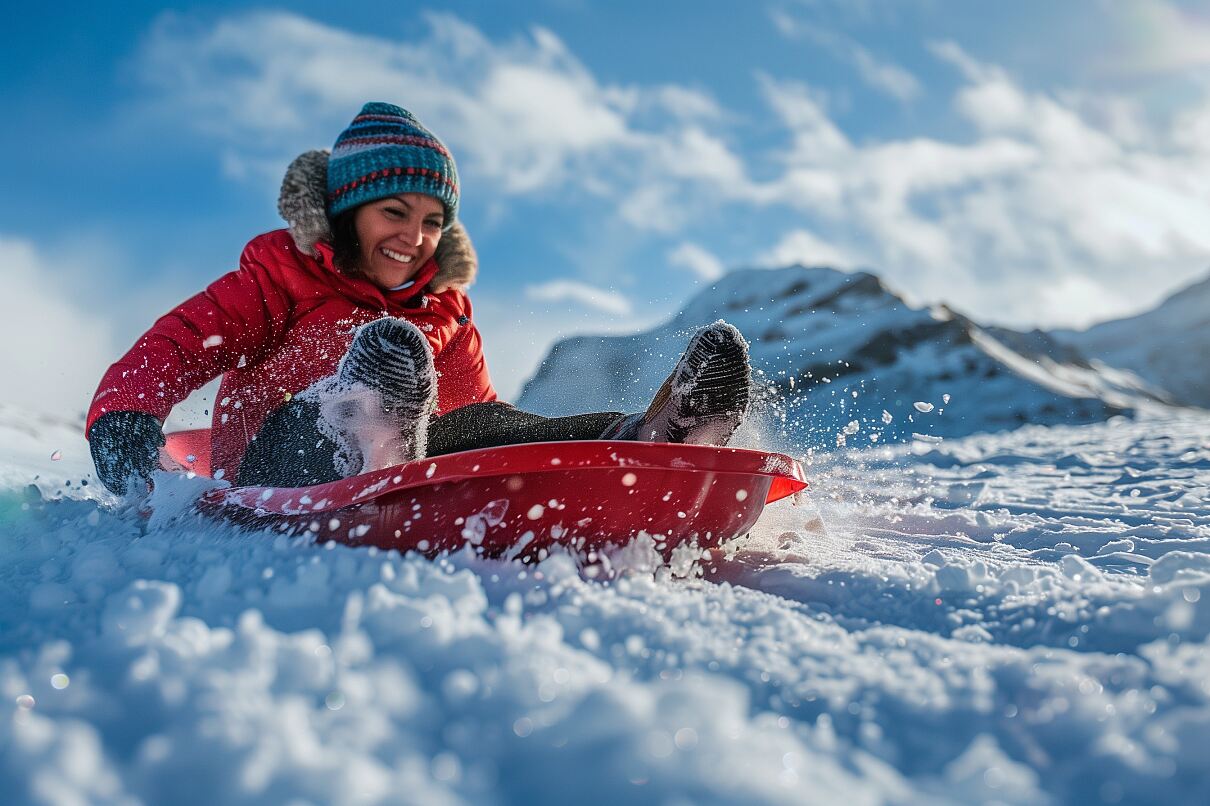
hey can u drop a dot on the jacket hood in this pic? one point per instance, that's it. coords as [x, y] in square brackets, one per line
[303, 204]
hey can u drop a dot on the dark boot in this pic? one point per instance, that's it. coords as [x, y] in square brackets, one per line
[392, 357]
[705, 398]
[377, 406]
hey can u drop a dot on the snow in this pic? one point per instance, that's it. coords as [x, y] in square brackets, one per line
[1016, 618]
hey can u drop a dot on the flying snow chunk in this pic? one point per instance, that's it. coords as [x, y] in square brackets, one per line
[212, 341]
[140, 612]
[922, 407]
[886, 417]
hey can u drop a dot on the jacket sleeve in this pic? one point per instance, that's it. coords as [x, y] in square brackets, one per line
[239, 318]
[463, 376]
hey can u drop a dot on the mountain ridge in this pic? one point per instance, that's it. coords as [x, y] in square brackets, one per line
[846, 357]
[1165, 346]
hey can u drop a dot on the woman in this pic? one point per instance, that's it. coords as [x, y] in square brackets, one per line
[340, 338]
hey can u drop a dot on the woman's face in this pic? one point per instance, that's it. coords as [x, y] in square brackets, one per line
[397, 235]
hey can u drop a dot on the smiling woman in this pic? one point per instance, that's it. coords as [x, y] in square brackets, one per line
[340, 338]
[389, 240]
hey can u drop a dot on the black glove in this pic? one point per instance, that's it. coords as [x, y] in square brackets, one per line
[125, 444]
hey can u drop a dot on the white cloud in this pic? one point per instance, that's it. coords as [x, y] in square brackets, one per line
[591, 296]
[1111, 198]
[998, 106]
[532, 122]
[1122, 117]
[1191, 129]
[695, 154]
[1157, 37]
[890, 78]
[524, 115]
[686, 103]
[995, 105]
[697, 260]
[1041, 196]
[1045, 184]
[54, 349]
[1075, 298]
[885, 76]
[807, 249]
[816, 137]
[655, 207]
[906, 167]
[974, 70]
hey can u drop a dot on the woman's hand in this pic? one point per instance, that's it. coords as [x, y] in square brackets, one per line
[125, 444]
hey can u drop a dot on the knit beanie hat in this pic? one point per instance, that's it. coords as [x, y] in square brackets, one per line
[386, 151]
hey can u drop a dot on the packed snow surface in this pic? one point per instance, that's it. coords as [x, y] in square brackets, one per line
[1016, 618]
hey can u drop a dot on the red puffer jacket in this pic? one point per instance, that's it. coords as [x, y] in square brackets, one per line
[273, 327]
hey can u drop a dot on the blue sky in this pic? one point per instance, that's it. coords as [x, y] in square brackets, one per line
[1033, 163]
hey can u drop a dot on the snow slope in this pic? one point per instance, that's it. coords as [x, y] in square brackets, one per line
[1169, 345]
[846, 359]
[1019, 618]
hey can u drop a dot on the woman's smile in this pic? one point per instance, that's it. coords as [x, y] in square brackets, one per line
[397, 236]
[393, 255]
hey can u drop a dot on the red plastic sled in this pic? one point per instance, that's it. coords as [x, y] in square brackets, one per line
[519, 499]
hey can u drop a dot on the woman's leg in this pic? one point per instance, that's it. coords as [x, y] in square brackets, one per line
[705, 398]
[372, 413]
[487, 425]
[702, 402]
[290, 450]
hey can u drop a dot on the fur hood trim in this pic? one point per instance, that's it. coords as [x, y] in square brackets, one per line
[303, 204]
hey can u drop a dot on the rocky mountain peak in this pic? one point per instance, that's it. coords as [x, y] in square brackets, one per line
[845, 358]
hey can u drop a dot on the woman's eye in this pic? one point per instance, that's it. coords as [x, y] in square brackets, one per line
[433, 224]
[394, 212]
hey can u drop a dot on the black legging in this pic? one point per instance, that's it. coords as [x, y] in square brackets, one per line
[291, 451]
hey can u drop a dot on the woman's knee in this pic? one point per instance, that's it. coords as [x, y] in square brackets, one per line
[289, 450]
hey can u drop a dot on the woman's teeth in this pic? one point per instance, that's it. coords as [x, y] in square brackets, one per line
[393, 255]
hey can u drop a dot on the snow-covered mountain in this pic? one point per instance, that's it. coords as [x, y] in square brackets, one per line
[849, 361]
[1169, 346]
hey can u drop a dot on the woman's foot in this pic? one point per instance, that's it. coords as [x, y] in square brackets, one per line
[706, 397]
[382, 397]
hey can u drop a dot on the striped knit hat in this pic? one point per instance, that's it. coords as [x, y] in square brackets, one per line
[387, 151]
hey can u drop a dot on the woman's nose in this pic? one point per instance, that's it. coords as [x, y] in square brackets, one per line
[413, 235]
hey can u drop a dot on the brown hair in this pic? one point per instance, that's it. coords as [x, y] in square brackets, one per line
[346, 249]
